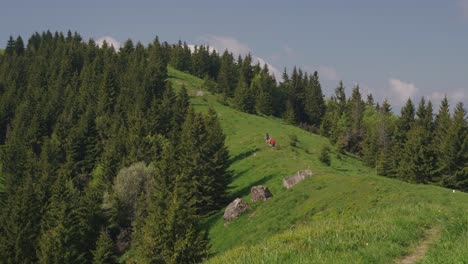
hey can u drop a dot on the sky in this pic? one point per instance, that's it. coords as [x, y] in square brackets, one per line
[392, 49]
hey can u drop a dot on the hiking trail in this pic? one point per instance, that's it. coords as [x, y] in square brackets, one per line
[420, 250]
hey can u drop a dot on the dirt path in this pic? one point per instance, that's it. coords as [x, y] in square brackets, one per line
[418, 253]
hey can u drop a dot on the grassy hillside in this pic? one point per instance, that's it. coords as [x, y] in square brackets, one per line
[342, 213]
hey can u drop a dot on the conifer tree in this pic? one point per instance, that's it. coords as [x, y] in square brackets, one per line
[103, 254]
[243, 97]
[60, 237]
[19, 46]
[19, 227]
[441, 142]
[227, 77]
[10, 48]
[218, 156]
[356, 110]
[340, 96]
[262, 86]
[455, 160]
[314, 102]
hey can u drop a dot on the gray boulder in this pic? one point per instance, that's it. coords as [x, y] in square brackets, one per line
[260, 193]
[235, 209]
[292, 180]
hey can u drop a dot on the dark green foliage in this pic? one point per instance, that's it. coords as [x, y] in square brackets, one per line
[60, 237]
[72, 115]
[244, 97]
[325, 155]
[314, 103]
[227, 76]
[293, 140]
[418, 161]
[103, 254]
[10, 48]
[262, 86]
[169, 232]
[218, 159]
[19, 227]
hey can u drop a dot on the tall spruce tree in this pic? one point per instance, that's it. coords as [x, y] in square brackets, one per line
[244, 97]
[314, 102]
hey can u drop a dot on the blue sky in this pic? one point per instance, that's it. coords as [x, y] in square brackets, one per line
[393, 49]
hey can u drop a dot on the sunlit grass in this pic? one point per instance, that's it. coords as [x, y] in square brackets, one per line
[344, 213]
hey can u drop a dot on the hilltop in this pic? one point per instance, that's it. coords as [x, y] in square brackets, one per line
[343, 212]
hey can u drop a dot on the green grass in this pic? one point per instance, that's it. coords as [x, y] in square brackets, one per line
[343, 213]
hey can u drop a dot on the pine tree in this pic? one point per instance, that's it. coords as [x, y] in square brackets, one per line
[19, 46]
[10, 48]
[407, 117]
[169, 233]
[103, 254]
[370, 100]
[340, 96]
[19, 227]
[243, 97]
[227, 77]
[356, 112]
[246, 69]
[455, 159]
[403, 125]
[60, 237]
[155, 76]
[441, 143]
[417, 163]
[314, 102]
[261, 85]
[218, 156]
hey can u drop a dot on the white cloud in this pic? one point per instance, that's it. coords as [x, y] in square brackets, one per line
[110, 41]
[452, 96]
[221, 43]
[328, 73]
[192, 48]
[402, 90]
[324, 72]
[273, 69]
[462, 6]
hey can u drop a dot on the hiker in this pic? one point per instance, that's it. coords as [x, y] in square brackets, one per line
[272, 142]
[267, 137]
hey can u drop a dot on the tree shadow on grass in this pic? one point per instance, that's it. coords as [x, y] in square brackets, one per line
[243, 155]
[246, 190]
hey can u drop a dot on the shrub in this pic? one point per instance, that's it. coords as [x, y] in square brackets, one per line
[325, 155]
[293, 140]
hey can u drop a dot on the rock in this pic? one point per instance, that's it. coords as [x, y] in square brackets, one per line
[260, 193]
[295, 179]
[235, 209]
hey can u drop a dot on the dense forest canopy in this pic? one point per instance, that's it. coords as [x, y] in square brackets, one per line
[101, 158]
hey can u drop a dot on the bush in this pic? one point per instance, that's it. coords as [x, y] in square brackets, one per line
[128, 185]
[293, 142]
[325, 155]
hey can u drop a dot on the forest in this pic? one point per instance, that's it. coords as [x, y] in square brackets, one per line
[102, 159]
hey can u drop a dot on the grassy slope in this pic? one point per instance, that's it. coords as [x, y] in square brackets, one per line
[344, 212]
